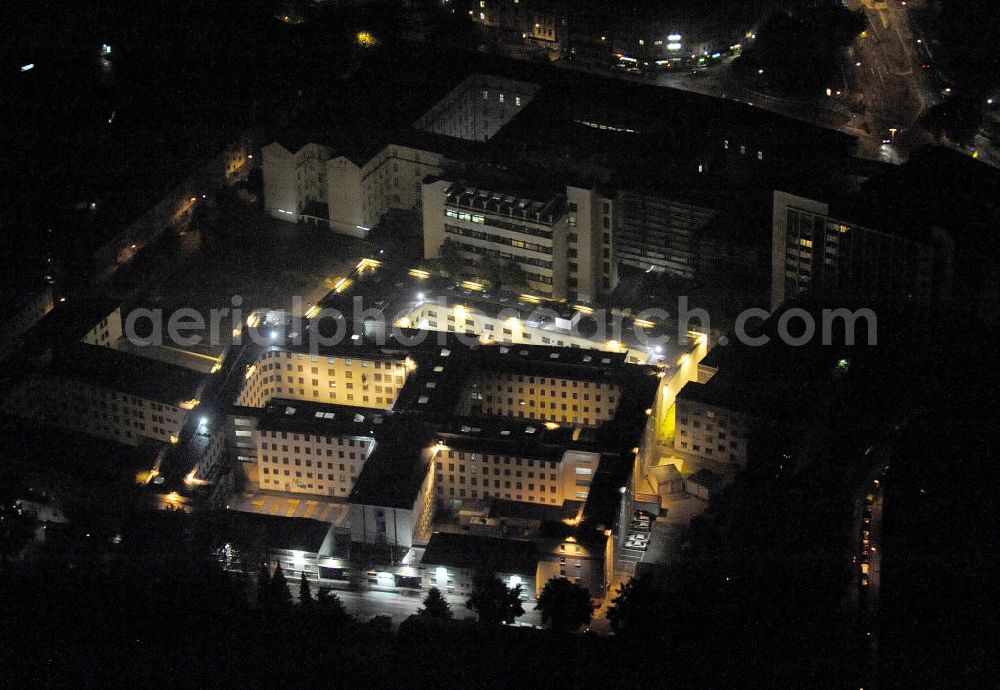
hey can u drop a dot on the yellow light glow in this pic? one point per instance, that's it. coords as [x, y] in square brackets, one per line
[409, 364]
[174, 439]
[190, 404]
[460, 311]
[365, 264]
[366, 39]
[583, 309]
[551, 425]
[530, 298]
[472, 285]
[312, 311]
[216, 367]
[644, 323]
[191, 480]
[404, 322]
[253, 320]
[250, 370]
[173, 497]
[341, 285]
[649, 411]
[420, 273]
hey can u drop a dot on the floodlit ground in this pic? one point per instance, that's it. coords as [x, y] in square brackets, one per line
[291, 505]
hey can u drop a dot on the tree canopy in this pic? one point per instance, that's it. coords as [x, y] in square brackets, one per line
[435, 605]
[565, 605]
[494, 602]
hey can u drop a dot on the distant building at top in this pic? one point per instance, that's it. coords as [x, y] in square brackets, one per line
[924, 234]
[650, 171]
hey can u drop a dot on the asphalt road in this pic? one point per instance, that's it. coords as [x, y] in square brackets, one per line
[364, 605]
[867, 550]
[890, 78]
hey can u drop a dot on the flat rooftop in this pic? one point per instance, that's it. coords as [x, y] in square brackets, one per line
[276, 532]
[130, 374]
[481, 553]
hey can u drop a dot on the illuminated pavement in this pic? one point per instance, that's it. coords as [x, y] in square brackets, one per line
[291, 505]
[398, 605]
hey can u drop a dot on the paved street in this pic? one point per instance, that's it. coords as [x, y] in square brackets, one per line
[364, 605]
[890, 78]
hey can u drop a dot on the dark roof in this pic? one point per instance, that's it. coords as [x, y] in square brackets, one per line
[276, 532]
[382, 100]
[120, 371]
[70, 321]
[706, 478]
[521, 510]
[394, 472]
[324, 419]
[514, 437]
[774, 381]
[488, 554]
[937, 187]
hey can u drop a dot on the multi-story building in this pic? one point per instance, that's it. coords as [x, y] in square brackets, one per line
[78, 377]
[365, 379]
[479, 458]
[572, 147]
[108, 393]
[523, 27]
[20, 313]
[313, 184]
[546, 398]
[660, 234]
[707, 429]
[477, 108]
[562, 243]
[313, 449]
[816, 253]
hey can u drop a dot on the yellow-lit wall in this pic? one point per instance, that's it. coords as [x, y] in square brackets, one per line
[94, 410]
[310, 463]
[581, 403]
[358, 381]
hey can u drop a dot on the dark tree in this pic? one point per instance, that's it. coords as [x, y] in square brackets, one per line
[502, 272]
[305, 592]
[565, 605]
[330, 608]
[957, 118]
[451, 259]
[435, 605]
[277, 595]
[263, 584]
[494, 602]
[637, 611]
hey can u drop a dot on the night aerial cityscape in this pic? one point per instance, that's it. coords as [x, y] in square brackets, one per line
[493, 343]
